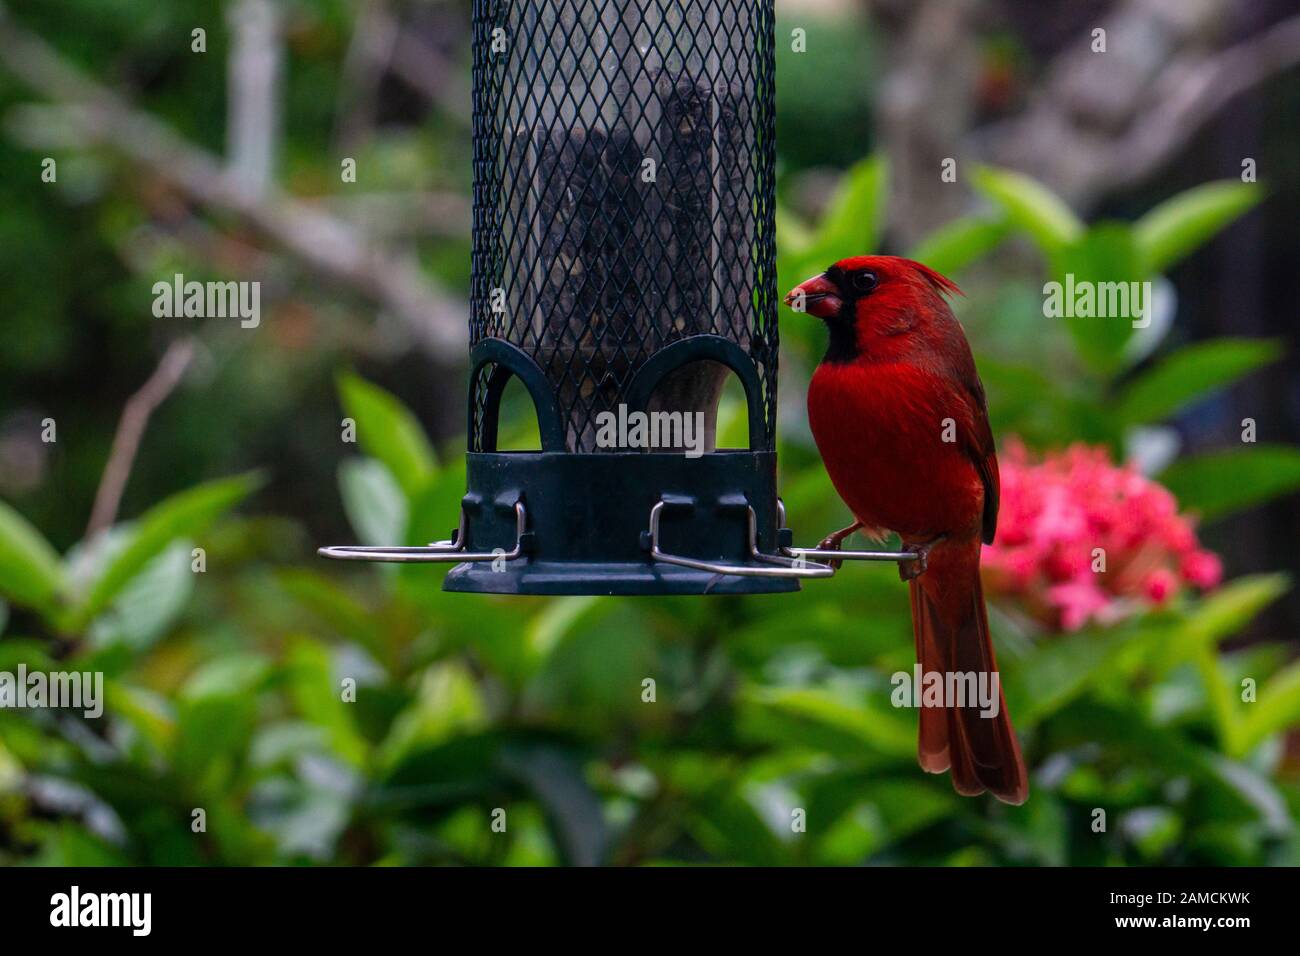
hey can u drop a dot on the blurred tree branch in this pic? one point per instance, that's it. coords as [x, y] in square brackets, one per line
[925, 108]
[406, 215]
[334, 249]
[1101, 122]
[368, 56]
[130, 429]
[255, 63]
[426, 69]
[1108, 121]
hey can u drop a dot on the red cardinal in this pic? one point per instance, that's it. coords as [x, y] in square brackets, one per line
[899, 415]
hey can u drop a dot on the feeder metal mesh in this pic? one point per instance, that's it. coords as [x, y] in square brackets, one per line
[623, 190]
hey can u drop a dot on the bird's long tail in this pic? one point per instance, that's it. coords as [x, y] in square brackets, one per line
[952, 640]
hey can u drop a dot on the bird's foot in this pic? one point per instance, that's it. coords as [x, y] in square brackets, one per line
[910, 570]
[834, 541]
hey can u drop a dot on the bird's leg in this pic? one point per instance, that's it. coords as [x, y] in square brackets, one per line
[833, 541]
[914, 568]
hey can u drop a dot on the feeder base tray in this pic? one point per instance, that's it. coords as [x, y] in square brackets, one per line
[556, 577]
[588, 521]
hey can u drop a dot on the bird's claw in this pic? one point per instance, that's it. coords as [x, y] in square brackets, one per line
[910, 570]
[914, 568]
[832, 542]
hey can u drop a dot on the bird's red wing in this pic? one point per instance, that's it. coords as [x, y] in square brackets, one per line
[979, 446]
[987, 466]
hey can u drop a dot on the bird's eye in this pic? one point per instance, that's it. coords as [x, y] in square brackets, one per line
[863, 281]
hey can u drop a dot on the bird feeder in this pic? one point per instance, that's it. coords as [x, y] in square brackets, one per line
[624, 265]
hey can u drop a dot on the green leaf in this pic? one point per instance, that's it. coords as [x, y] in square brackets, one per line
[1255, 791]
[30, 572]
[870, 728]
[149, 603]
[730, 829]
[573, 810]
[959, 243]
[187, 515]
[793, 233]
[216, 712]
[594, 670]
[435, 511]
[68, 844]
[1224, 612]
[559, 618]
[33, 653]
[445, 775]
[1190, 374]
[1153, 831]
[851, 226]
[1177, 226]
[149, 713]
[318, 696]
[855, 216]
[237, 674]
[1276, 709]
[1212, 620]
[212, 733]
[1221, 483]
[1031, 207]
[907, 806]
[447, 703]
[1218, 693]
[388, 431]
[1055, 672]
[373, 501]
[335, 608]
[11, 771]
[1035, 833]
[852, 837]
[1105, 257]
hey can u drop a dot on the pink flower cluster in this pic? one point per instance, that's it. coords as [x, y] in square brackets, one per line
[1056, 511]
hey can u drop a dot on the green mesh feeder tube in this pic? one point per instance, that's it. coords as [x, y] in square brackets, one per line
[624, 264]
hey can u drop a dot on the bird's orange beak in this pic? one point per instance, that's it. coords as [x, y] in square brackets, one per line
[817, 296]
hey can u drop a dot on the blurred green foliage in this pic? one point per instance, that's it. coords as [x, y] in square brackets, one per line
[231, 690]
